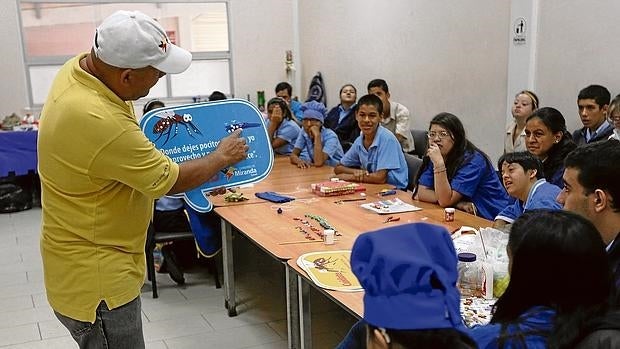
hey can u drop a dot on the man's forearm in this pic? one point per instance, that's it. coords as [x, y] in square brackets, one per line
[195, 172]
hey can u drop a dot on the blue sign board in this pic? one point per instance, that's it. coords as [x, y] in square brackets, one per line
[192, 131]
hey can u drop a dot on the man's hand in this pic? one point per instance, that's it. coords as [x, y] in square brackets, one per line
[233, 148]
[229, 151]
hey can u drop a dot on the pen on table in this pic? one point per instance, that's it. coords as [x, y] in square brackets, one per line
[349, 200]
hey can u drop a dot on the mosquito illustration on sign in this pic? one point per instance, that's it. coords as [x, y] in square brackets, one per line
[169, 121]
[192, 131]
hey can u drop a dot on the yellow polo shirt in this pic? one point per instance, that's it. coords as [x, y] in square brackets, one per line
[99, 177]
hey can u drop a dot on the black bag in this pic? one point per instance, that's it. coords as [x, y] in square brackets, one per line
[316, 91]
[13, 198]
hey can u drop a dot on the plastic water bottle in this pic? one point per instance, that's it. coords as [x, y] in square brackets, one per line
[471, 275]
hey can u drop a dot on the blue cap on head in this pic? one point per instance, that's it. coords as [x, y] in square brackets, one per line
[409, 273]
[314, 110]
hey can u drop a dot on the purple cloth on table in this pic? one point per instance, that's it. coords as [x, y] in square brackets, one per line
[18, 152]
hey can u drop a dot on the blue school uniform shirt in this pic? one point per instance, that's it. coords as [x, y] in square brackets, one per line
[296, 109]
[477, 181]
[385, 153]
[166, 203]
[288, 131]
[529, 332]
[556, 177]
[331, 146]
[541, 195]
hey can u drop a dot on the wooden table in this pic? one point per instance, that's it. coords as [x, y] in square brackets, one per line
[276, 233]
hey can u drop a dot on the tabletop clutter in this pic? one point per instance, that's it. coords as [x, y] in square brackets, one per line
[482, 257]
[483, 261]
[14, 122]
[483, 271]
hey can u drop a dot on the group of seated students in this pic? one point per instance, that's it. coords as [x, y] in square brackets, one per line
[374, 133]
[556, 194]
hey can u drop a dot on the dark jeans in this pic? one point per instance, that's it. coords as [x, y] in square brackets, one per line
[356, 338]
[118, 328]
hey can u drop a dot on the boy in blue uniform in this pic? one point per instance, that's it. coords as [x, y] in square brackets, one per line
[376, 155]
[523, 179]
[320, 143]
[284, 90]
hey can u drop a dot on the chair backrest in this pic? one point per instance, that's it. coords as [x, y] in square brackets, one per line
[413, 165]
[420, 142]
[605, 332]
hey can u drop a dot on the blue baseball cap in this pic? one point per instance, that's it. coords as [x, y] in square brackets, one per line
[314, 110]
[409, 273]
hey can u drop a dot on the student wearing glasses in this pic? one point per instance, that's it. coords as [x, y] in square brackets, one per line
[455, 173]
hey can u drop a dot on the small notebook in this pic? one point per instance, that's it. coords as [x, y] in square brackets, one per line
[390, 206]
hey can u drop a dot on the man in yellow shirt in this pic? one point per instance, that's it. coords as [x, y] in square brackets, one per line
[100, 175]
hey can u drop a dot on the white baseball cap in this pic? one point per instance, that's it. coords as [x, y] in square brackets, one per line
[131, 39]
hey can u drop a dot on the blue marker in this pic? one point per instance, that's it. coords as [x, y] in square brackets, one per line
[387, 192]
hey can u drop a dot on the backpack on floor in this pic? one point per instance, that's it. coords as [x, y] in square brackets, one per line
[13, 198]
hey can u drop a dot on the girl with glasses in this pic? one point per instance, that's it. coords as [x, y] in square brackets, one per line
[455, 173]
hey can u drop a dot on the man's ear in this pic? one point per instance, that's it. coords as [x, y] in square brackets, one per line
[125, 76]
[601, 200]
[532, 173]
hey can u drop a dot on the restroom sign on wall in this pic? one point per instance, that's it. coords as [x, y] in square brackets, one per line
[519, 28]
